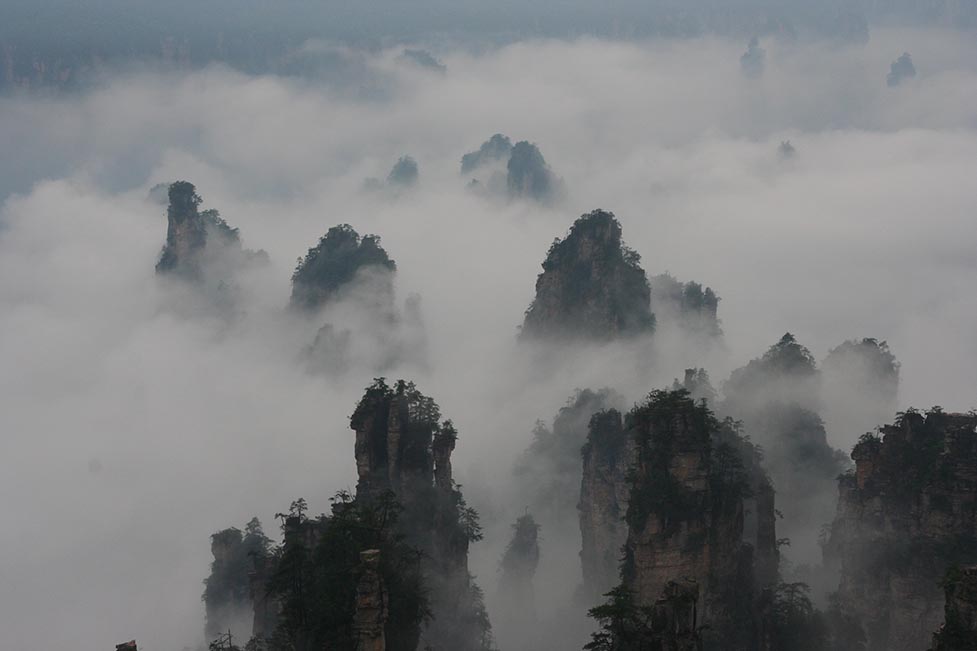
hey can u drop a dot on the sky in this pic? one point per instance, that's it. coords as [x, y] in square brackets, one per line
[133, 427]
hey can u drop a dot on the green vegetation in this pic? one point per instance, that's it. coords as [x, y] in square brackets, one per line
[333, 263]
[435, 517]
[592, 286]
[797, 625]
[656, 424]
[624, 625]
[317, 573]
[227, 591]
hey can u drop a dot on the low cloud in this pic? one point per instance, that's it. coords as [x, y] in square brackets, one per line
[133, 431]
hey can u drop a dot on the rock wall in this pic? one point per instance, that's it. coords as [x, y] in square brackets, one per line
[674, 484]
[370, 618]
[608, 456]
[906, 514]
[403, 446]
[592, 286]
[186, 232]
[959, 631]
[200, 246]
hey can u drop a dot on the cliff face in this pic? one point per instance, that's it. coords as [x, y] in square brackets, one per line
[608, 456]
[227, 593]
[370, 618]
[199, 244]
[402, 447]
[691, 482]
[592, 286]
[907, 513]
[959, 631]
[686, 481]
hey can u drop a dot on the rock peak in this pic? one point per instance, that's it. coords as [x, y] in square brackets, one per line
[592, 286]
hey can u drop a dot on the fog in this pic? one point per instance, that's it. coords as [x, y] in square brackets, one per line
[133, 429]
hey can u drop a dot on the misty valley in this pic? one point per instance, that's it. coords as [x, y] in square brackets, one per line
[436, 326]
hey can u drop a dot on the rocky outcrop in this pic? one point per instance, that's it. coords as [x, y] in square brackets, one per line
[332, 265]
[674, 618]
[608, 457]
[592, 286]
[495, 149]
[200, 245]
[264, 604]
[404, 449]
[404, 173]
[900, 70]
[688, 481]
[227, 594]
[528, 175]
[686, 307]
[906, 514]
[959, 631]
[347, 282]
[696, 381]
[370, 618]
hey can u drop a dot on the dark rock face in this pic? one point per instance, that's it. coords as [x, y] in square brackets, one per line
[686, 306]
[199, 244]
[186, 232]
[592, 286]
[495, 149]
[688, 480]
[959, 632]
[670, 624]
[404, 448]
[675, 617]
[227, 594]
[529, 176]
[335, 262]
[608, 457]
[906, 514]
[370, 618]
